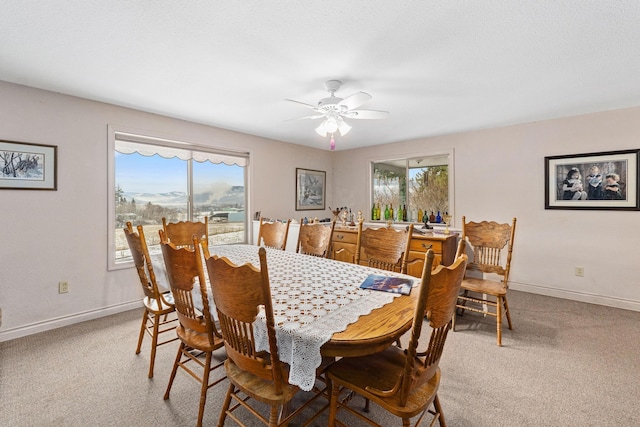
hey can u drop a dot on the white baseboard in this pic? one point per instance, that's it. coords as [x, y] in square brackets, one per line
[46, 325]
[59, 322]
[608, 301]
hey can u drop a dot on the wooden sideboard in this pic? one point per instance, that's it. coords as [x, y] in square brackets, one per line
[444, 247]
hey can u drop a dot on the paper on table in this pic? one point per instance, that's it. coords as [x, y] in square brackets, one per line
[397, 285]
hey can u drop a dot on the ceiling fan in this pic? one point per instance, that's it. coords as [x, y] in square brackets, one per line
[335, 110]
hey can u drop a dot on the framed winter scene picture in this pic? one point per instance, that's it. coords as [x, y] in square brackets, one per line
[25, 166]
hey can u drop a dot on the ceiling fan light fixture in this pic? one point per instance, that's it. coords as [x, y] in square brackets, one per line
[343, 127]
[330, 125]
[320, 130]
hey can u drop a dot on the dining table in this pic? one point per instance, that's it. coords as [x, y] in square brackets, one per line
[319, 307]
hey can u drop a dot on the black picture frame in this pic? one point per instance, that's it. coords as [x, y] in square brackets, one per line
[310, 189]
[613, 186]
[27, 166]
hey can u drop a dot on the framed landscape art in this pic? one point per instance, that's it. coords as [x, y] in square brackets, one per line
[310, 189]
[25, 166]
[605, 180]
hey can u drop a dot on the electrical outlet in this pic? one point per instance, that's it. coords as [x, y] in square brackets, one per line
[63, 287]
[580, 271]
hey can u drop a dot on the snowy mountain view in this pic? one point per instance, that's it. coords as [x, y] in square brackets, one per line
[219, 204]
[173, 198]
[232, 198]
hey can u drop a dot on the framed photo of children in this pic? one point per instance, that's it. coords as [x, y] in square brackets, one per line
[605, 181]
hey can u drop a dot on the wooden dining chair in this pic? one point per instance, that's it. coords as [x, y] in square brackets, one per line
[484, 288]
[181, 233]
[158, 316]
[315, 239]
[384, 248]
[197, 331]
[405, 382]
[240, 292]
[273, 234]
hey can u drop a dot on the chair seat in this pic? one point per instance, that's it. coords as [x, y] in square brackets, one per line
[258, 388]
[381, 371]
[198, 341]
[157, 306]
[491, 287]
[168, 297]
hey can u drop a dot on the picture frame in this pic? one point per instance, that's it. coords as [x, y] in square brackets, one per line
[27, 166]
[593, 181]
[310, 189]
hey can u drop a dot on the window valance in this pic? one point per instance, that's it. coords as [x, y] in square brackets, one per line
[127, 143]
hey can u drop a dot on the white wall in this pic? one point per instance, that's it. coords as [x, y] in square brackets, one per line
[48, 236]
[499, 174]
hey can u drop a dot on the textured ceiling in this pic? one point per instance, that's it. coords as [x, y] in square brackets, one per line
[438, 67]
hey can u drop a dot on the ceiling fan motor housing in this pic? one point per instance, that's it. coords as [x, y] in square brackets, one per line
[332, 85]
[330, 103]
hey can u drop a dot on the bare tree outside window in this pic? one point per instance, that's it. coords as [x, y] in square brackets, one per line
[417, 184]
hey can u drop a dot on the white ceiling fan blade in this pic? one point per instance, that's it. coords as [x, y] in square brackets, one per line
[315, 116]
[313, 107]
[366, 114]
[355, 100]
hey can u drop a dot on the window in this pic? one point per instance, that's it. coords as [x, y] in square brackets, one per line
[152, 178]
[418, 185]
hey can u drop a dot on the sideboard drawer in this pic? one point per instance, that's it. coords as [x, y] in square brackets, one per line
[421, 245]
[342, 237]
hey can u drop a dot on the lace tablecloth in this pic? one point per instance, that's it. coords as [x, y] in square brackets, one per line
[313, 298]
